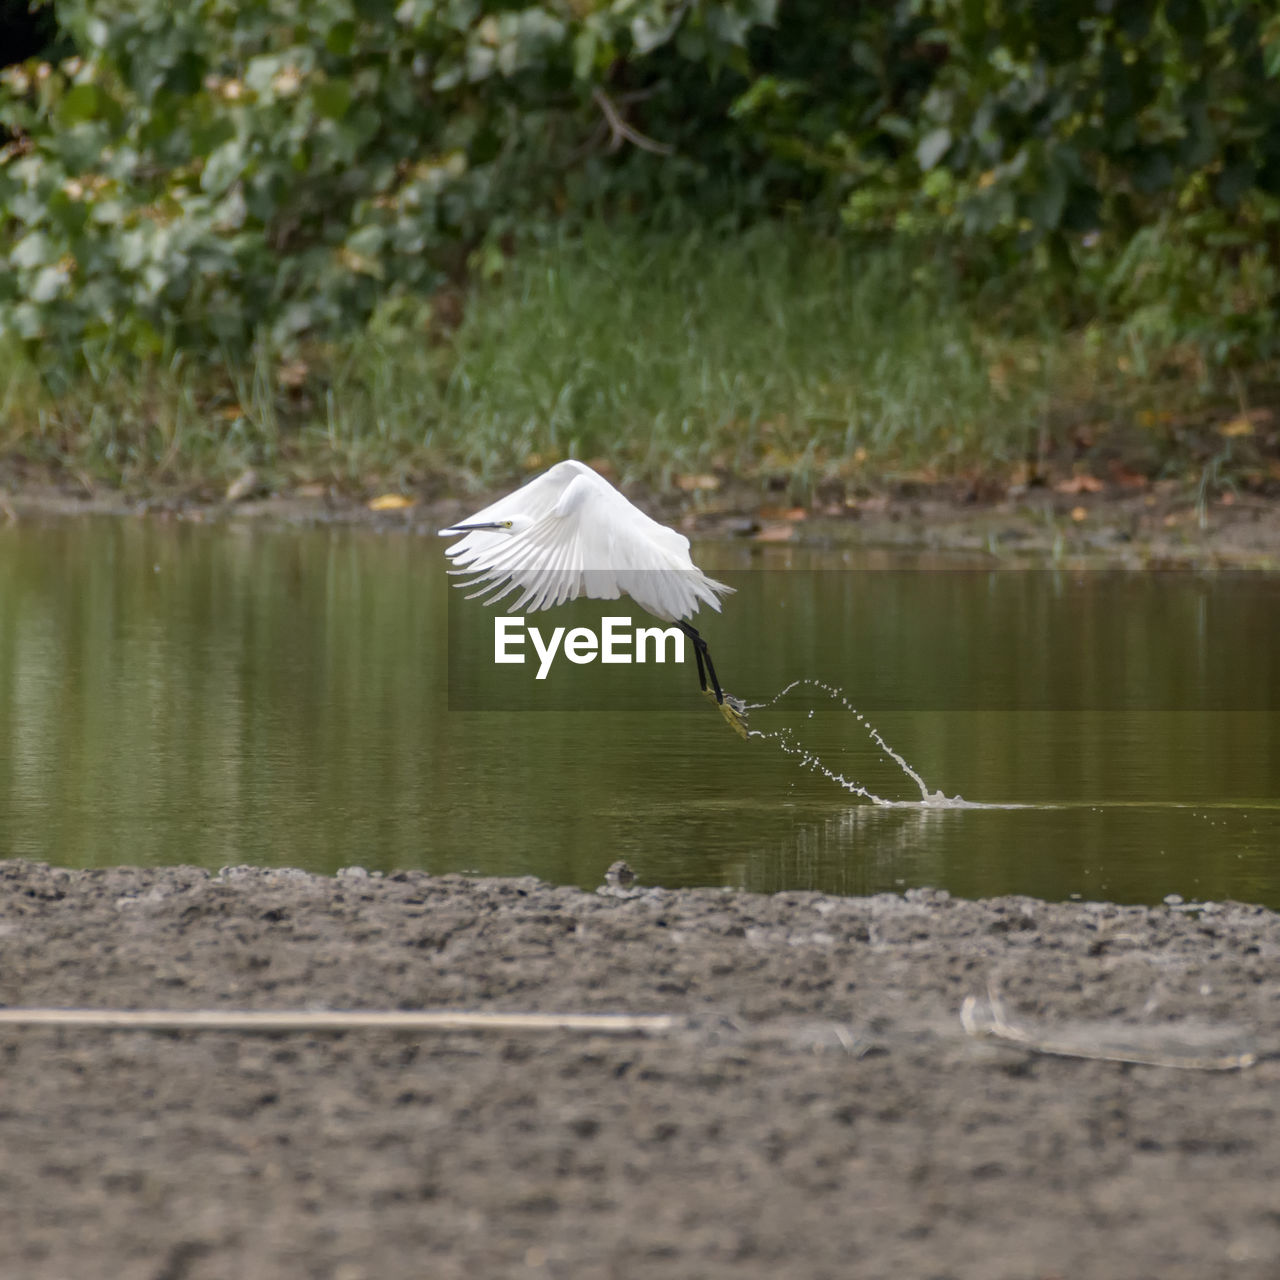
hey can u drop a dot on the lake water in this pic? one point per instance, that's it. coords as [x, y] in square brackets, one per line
[171, 692]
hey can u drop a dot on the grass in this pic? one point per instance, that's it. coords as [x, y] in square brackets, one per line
[773, 356]
[770, 354]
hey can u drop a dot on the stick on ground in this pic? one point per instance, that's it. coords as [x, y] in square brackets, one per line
[334, 1020]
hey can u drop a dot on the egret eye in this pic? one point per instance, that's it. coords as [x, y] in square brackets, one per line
[506, 524]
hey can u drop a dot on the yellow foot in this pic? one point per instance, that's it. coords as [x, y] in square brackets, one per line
[735, 713]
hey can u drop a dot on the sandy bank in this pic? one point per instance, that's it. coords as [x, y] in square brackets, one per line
[819, 1110]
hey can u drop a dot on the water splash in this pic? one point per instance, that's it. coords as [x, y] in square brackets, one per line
[809, 760]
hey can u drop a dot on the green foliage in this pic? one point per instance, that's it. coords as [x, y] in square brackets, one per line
[1129, 151]
[193, 174]
[197, 179]
[778, 353]
[777, 356]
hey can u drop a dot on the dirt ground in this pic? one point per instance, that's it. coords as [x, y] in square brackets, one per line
[819, 1110]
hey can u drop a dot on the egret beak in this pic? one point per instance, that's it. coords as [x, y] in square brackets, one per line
[466, 528]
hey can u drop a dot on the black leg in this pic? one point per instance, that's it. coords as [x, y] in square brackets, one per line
[702, 674]
[711, 671]
[702, 653]
[697, 652]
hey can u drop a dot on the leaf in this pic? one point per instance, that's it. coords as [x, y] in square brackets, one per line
[48, 284]
[585, 44]
[26, 320]
[81, 102]
[390, 502]
[776, 533]
[185, 74]
[33, 250]
[243, 486]
[1083, 483]
[340, 38]
[206, 138]
[367, 241]
[224, 165]
[332, 98]
[1125, 478]
[932, 147]
[723, 23]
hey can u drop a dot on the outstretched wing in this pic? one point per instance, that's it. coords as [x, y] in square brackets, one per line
[587, 540]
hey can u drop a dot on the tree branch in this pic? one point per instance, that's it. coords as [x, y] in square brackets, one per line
[620, 131]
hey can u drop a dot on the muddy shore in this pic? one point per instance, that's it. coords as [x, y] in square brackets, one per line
[818, 1111]
[1165, 528]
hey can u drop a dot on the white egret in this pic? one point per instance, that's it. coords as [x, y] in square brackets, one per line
[570, 533]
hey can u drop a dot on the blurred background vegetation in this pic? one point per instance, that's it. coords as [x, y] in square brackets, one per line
[999, 240]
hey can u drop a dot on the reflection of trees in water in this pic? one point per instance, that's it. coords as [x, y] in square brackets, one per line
[170, 692]
[1122, 852]
[175, 693]
[863, 849]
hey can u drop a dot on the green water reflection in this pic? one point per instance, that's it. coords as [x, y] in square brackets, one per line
[178, 693]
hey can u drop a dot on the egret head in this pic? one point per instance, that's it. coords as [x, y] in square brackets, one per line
[510, 525]
[515, 524]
